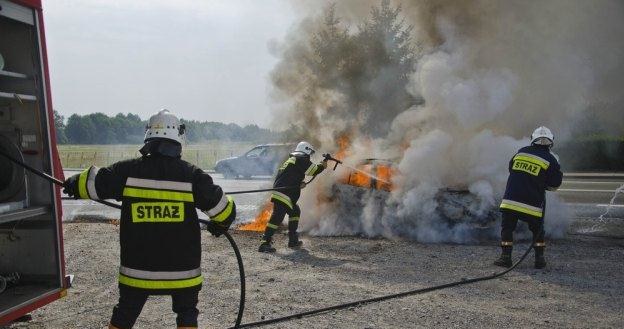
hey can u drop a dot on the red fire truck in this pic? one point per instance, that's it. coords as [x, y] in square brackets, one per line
[32, 265]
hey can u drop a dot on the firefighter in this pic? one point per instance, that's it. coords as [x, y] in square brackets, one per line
[532, 170]
[291, 175]
[159, 230]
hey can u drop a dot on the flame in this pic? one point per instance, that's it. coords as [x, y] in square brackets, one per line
[259, 223]
[344, 143]
[384, 177]
[372, 176]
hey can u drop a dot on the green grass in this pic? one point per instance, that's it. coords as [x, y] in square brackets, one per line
[203, 155]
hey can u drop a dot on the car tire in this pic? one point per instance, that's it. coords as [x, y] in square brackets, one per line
[228, 173]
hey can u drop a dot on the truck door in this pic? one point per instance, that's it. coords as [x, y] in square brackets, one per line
[32, 270]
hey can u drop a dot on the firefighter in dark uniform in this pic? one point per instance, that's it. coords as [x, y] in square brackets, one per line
[291, 175]
[532, 171]
[159, 230]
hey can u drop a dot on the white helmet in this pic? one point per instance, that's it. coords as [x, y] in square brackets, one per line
[305, 148]
[542, 136]
[164, 125]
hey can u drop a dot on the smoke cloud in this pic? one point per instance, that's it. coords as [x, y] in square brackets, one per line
[447, 90]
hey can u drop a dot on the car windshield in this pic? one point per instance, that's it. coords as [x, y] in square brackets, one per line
[256, 152]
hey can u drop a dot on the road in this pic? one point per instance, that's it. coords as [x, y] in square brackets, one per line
[587, 194]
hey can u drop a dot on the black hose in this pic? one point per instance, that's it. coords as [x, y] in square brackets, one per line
[386, 297]
[264, 190]
[241, 272]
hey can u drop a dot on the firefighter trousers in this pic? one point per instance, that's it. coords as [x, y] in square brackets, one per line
[509, 223]
[279, 211]
[131, 302]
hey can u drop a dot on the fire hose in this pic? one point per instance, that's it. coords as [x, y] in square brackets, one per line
[386, 297]
[239, 258]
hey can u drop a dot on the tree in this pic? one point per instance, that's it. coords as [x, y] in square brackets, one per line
[59, 124]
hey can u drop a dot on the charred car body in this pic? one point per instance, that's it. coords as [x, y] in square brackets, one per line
[361, 199]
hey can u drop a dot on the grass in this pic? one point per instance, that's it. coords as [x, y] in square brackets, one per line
[204, 155]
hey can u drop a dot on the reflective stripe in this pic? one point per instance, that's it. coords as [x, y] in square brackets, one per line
[82, 184]
[219, 207]
[157, 194]
[273, 226]
[311, 170]
[540, 244]
[159, 184]
[533, 159]
[293, 219]
[290, 160]
[506, 243]
[93, 171]
[521, 207]
[157, 284]
[160, 275]
[283, 198]
[226, 212]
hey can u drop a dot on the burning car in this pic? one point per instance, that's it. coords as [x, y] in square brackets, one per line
[367, 188]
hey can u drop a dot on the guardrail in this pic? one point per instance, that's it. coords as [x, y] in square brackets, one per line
[598, 175]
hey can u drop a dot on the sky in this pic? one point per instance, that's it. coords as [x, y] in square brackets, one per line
[206, 60]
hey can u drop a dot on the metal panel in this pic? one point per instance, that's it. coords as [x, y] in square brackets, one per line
[16, 12]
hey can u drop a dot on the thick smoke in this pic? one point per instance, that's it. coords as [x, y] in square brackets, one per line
[449, 94]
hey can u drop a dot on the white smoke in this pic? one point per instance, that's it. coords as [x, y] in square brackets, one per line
[489, 73]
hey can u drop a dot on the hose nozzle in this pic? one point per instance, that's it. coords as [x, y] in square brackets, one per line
[329, 157]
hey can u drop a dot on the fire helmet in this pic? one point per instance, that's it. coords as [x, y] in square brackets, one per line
[304, 148]
[542, 136]
[164, 125]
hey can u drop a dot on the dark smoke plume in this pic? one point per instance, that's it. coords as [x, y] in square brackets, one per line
[447, 89]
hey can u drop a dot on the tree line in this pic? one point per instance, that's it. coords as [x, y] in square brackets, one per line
[99, 128]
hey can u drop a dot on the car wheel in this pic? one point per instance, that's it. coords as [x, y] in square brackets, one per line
[228, 173]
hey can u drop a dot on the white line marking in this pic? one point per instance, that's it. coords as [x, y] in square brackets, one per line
[612, 205]
[584, 190]
[589, 182]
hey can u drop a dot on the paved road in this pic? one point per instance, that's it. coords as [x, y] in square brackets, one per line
[587, 194]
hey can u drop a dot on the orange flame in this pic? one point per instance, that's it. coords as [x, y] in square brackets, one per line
[370, 176]
[259, 223]
[344, 142]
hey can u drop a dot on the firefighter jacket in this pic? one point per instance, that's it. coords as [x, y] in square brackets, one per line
[159, 229]
[532, 171]
[291, 174]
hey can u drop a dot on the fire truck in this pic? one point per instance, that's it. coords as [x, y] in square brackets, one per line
[32, 265]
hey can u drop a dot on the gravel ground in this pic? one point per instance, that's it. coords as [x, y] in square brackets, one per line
[582, 286]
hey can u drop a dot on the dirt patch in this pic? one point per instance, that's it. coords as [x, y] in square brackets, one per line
[582, 286]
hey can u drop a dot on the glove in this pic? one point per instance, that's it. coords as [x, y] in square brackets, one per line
[70, 186]
[215, 229]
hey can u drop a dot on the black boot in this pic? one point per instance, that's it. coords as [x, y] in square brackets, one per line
[505, 258]
[540, 261]
[266, 246]
[293, 240]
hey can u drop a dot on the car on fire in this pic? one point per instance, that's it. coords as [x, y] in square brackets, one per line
[261, 160]
[372, 179]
